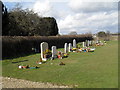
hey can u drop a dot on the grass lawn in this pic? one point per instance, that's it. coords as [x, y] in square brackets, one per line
[97, 69]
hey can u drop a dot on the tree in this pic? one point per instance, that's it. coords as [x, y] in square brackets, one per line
[19, 22]
[22, 22]
[101, 34]
[5, 20]
[52, 28]
[28, 23]
[108, 35]
[73, 33]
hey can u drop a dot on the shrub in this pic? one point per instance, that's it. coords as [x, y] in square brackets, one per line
[14, 46]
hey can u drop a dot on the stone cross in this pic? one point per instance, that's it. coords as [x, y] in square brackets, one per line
[69, 47]
[54, 51]
[44, 47]
[74, 43]
[65, 48]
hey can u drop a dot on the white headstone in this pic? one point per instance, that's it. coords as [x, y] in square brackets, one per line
[97, 41]
[93, 42]
[88, 43]
[54, 51]
[44, 47]
[74, 43]
[65, 48]
[83, 44]
[70, 47]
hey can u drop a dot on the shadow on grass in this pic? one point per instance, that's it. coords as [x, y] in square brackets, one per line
[17, 56]
[20, 61]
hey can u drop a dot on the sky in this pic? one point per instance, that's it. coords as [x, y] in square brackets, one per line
[82, 16]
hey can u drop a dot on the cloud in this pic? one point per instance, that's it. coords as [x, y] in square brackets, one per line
[60, 0]
[18, 0]
[90, 17]
[79, 16]
[46, 9]
[83, 22]
[80, 6]
[42, 8]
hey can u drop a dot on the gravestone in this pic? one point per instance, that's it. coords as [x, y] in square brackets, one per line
[97, 41]
[74, 43]
[88, 43]
[54, 51]
[69, 47]
[83, 44]
[65, 48]
[93, 42]
[44, 47]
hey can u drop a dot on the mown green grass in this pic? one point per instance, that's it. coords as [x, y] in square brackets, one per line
[97, 69]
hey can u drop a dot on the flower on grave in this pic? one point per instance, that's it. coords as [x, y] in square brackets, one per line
[80, 48]
[74, 49]
[59, 52]
[65, 54]
[47, 51]
[59, 56]
[40, 59]
[88, 48]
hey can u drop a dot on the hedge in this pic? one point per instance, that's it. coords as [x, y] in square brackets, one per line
[14, 46]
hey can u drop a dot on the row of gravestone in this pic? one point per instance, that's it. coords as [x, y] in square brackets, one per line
[67, 48]
[88, 43]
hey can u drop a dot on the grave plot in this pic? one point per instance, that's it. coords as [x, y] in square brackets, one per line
[69, 47]
[54, 52]
[44, 51]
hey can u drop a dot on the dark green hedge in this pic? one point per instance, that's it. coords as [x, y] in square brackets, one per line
[14, 46]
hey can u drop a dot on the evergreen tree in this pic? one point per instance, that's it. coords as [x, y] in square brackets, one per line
[5, 20]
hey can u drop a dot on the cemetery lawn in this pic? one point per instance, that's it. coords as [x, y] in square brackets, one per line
[97, 69]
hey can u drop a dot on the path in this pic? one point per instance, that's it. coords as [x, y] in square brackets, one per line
[19, 83]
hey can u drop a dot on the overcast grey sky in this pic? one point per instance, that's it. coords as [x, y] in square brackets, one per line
[75, 15]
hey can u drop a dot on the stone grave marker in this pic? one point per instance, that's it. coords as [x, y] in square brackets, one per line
[83, 44]
[44, 47]
[54, 51]
[69, 47]
[93, 42]
[74, 43]
[97, 41]
[65, 48]
[88, 43]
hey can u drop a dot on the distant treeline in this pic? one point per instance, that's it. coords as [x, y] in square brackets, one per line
[19, 22]
[14, 46]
